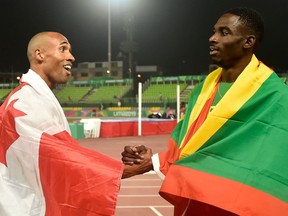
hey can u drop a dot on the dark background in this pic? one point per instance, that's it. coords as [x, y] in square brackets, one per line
[172, 34]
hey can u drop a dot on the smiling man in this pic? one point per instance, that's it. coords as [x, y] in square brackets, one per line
[49, 54]
[43, 170]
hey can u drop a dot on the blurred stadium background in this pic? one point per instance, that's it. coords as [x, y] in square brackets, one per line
[112, 98]
[108, 97]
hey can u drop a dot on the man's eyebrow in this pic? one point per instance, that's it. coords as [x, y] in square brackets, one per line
[63, 42]
[224, 28]
[66, 43]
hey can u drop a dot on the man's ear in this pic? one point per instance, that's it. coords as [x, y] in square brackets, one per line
[250, 41]
[39, 55]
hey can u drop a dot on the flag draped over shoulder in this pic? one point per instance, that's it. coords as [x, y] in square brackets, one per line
[234, 157]
[43, 170]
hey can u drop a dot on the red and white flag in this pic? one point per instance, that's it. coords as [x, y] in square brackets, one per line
[43, 170]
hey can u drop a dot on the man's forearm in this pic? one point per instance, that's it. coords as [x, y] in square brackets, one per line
[136, 169]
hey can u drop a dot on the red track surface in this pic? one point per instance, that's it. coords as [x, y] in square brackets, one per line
[138, 195]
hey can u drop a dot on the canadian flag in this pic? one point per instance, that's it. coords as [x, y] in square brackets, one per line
[43, 170]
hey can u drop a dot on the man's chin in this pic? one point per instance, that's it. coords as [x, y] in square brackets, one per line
[63, 81]
[216, 61]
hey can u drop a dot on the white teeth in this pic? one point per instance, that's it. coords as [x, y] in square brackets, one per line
[67, 67]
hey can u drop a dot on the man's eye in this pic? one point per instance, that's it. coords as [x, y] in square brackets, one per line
[62, 49]
[224, 32]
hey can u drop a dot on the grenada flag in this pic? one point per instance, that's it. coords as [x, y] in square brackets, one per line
[43, 170]
[232, 159]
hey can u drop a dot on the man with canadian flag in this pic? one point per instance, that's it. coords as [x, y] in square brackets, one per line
[43, 170]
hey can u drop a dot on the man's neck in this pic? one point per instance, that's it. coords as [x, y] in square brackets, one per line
[230, 74]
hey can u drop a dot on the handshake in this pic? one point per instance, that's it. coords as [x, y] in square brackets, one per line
[137, 160]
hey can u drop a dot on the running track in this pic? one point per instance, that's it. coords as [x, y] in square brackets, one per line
[138, 195]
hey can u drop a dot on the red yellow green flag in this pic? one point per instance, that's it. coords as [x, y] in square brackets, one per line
[235, 158]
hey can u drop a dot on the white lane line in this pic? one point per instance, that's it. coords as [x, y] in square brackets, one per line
[140, 186]
[155, 211]
[139, 195]
[133, 180]
[122, 207]
[152, 172]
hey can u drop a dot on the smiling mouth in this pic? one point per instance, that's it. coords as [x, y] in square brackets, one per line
[67, 67]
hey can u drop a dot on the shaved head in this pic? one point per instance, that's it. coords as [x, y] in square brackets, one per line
[49, 55]
[39, 41]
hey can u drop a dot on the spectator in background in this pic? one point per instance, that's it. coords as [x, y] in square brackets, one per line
[119, 103]
[94, 113]
[169, 113]
[182, 109]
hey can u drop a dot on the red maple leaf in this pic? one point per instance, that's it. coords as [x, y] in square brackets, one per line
[8, 131]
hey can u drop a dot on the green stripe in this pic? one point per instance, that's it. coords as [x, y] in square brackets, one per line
[180, 131]
[252, 146]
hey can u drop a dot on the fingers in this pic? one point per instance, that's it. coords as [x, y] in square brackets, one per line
[133, 154]
[130, 161]
[144, 166]
[141, 149]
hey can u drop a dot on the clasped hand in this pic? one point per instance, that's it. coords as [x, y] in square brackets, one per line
[137, 160]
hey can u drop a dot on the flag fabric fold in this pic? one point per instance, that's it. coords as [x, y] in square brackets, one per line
[43, 170]
[235, 159]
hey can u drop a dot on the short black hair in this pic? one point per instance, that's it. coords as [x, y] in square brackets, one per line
[252, 19]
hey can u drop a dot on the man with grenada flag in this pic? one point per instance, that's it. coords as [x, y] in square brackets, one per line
[43, 170]
[228, 156]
